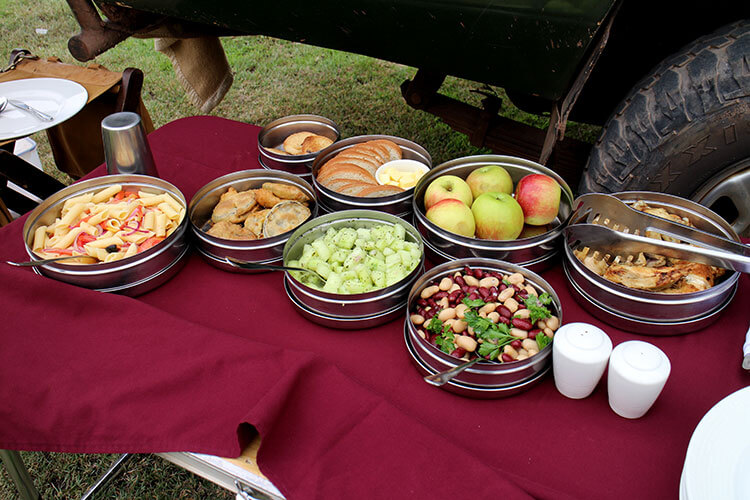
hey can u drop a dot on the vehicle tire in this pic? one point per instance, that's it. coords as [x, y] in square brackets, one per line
[685, 129]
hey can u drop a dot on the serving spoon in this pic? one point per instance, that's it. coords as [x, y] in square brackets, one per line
[243, 264]
[41, 262]
[442, 378]
[4, 101]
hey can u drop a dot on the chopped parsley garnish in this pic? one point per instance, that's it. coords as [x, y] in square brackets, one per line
[493, 336]
[473, 303]
[542, 341]
[535, 305]
[445, 339]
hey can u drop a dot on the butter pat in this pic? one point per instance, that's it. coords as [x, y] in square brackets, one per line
[402, 173]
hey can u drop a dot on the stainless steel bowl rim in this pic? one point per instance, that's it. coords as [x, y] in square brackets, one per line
[490, 245]
[526, 264]
[234, 179]
[97, 183]
[494, 265]
[295, 119]
[342, 300]
[666, 299]
[473, 387]
[343, 217]
[339, 319]
[648, 321]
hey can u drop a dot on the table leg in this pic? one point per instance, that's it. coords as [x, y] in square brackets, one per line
[20, 475]
[108, 476]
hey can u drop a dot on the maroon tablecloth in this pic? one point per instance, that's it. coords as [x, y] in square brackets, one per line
[342, 414]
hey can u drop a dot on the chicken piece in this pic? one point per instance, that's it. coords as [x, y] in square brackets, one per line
[266, 198]
[229, 231]
[286, 191]
[652, 279]
[233, 206]
[254, 221]
[695, 277]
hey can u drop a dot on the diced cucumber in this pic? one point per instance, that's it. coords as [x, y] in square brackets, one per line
[322, 249]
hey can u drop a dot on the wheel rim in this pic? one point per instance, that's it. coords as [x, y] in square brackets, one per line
[728, 194]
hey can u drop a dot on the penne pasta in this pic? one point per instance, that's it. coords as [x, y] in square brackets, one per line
[106, 194]
[109, 225]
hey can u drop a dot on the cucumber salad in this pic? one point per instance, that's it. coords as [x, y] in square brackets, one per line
[358, 260]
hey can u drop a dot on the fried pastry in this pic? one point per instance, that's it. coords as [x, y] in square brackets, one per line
[293, 143]
[314, 143]
[254, 221]
[284, 217]
[233, 205]
[266, 198]
[230, 231]
[286, 191]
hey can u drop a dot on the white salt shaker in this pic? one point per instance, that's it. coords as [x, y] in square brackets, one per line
[579, 356]
[637, 374]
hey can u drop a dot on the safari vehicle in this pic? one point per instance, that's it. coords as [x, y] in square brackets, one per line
[668, 81]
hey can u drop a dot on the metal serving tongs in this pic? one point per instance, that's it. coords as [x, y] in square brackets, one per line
[607, 224]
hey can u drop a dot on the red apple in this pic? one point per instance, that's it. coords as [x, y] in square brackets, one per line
[447, 187]
[497, 216]
[539, 197]
[452, 215]
[490, 178]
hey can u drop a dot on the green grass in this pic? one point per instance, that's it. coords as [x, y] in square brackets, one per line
[273, 78]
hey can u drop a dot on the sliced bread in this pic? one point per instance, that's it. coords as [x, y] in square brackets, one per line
[352, 172]
[378, 191]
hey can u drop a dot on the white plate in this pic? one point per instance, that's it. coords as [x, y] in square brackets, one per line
[57, 97]
[717, 463]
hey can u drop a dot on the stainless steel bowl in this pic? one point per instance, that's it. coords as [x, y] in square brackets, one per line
[273, 135]
[330, 321]
[537, 251]
[651, 312]
[471, 390]
[131, 276]
[354, 307]
[264, 250]
[399, 204]
[486, 374]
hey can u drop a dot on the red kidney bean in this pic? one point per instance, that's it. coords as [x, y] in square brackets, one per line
[465, 288]
[454, 296]
[507, 358]
[504, 311]
[422, 302]
[458, 352]
[518, 288]
[493, 290]
[431, 302]
[484, 293]
[473, 296]
[516, 344]
[521, 323]
[478, 273]
[503, 320]
[502, 287]
[473, 289]
[440, 295]
[467, 270]
[420, 311]
[523, 295]
[534, 333]
[459, 280]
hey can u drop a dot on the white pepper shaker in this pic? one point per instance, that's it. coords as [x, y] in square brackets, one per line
[638, 372]
[579, 356]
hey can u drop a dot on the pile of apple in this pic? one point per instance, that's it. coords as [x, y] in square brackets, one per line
[485, 206]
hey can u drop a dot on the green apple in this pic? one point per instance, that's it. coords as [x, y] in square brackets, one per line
[490, 178]
[539, 197]
[447, 187]
[498, 216]
[452, 215]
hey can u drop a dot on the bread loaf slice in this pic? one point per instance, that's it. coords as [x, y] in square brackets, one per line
[378, 191]
[352, 172]
[353, 188]
[393, 151]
